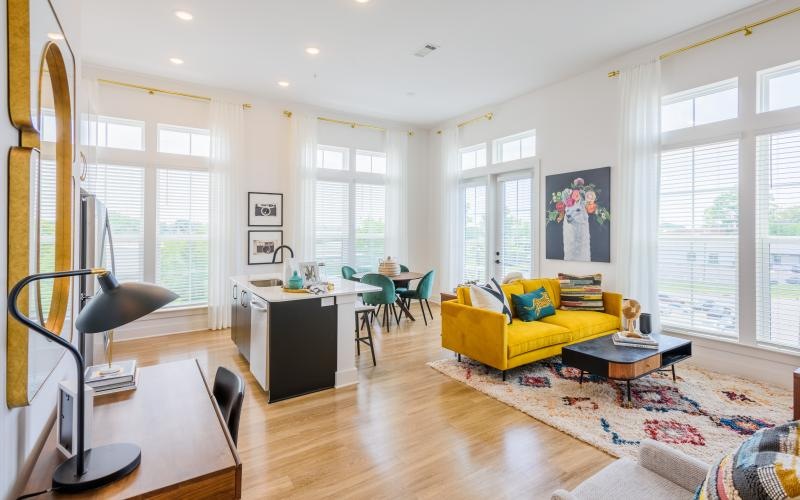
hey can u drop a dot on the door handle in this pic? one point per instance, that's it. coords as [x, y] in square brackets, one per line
[497, 261]
[242, 300]
[257, 306]
[235, 290]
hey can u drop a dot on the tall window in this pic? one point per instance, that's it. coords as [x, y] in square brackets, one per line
[182, 234]
[121, 189]
[698, 238]
[157, 203]
[778, 238]
[349, 212]
[474, 224]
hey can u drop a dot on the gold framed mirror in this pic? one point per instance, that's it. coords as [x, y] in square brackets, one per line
[40, 196]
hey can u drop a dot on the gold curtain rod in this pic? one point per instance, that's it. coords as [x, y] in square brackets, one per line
[747, 29]
[154, 90]
[288, 114]
[485, 116]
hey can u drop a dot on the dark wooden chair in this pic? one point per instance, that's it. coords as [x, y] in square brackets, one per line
[229, 393]
[364, 314]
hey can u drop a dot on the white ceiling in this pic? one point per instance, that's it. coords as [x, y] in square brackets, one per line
[491, 50]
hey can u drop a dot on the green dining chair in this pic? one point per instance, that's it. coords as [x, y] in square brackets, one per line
[422, 293]
[348, 272]
[386, 297]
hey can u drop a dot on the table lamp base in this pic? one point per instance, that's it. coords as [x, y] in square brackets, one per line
[104, 464]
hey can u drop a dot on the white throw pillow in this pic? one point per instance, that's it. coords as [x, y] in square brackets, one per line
[484, 299]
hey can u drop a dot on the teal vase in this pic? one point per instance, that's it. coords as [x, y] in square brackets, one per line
[295, 282]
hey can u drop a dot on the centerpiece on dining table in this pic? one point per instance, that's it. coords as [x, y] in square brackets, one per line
[388, 267]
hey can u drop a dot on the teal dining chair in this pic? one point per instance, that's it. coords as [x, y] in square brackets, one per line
[385, 298]
[422, 293]
[348, 272]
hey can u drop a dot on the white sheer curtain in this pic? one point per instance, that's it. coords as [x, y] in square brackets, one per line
[226, 208]
[450, 246]
[303, 157]
[637, 220]
[396, 225]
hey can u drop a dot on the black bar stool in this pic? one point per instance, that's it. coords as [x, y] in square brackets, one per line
[364, 315]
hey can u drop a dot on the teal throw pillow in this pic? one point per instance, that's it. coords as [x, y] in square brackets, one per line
[534, 305]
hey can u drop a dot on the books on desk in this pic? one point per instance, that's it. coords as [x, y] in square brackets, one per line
[105, 381]
[641, 342]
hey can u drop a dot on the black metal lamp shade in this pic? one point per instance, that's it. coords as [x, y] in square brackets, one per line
[120, 303]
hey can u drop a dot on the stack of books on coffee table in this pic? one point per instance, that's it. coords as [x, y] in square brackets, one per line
[105, 379]
[626, 339]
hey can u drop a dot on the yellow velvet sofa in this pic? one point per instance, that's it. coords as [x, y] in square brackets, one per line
[485, 336]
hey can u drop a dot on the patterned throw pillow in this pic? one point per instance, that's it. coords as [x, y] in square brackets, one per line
[490, 297]
[764, 466]
[534, 305]
[581, 293]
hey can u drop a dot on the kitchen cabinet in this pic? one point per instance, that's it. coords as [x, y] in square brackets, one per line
[240, 320]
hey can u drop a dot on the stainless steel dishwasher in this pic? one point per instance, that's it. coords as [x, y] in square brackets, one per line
[259, 341]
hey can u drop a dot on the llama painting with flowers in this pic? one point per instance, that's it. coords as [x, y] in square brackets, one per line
[579, 216]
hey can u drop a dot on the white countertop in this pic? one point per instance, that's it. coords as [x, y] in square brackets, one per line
[276, 294]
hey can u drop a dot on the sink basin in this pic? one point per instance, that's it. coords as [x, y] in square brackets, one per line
[266, 283]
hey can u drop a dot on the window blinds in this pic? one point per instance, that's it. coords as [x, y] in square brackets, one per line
[332, 224]
[778, 238]
[517, 236]
[698, 238]
[182, 234]
[121, 189]
[474, 213]
[369, 222]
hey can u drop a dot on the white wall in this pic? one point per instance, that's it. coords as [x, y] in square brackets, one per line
[577, 127]
[22, 429]
[267, 157]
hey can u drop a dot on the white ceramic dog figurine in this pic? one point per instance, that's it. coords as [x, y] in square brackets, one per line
[576, 233]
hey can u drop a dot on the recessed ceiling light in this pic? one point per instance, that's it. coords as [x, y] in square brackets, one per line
[312, 50]
[362, 1]
[283, 83]
[55, 36]
[176, 60]
[183, 15]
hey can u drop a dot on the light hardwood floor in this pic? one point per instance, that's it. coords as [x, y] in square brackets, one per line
[405, 431]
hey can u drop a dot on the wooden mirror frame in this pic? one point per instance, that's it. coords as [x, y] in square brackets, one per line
[20, 254]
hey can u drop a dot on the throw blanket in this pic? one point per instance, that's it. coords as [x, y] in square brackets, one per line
[766, 466]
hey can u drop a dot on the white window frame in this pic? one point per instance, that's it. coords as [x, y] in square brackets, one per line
[497, 145]
[473, 149]
[489, 175]
[348, 158]
[106, 120]
[372, 155]
[762, 84]
[694, 93]
[151, 160]
[351, 177]
[192, 131]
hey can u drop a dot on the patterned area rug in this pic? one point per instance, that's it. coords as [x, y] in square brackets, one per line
[703, 413]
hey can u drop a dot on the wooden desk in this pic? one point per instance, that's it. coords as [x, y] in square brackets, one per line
[187, 450]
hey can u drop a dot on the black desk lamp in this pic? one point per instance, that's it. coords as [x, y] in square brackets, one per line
[117, 304]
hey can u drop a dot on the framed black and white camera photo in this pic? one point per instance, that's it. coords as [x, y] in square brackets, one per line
[261, 246]
[265, 209]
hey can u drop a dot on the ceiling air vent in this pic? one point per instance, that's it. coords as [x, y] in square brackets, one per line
[427, 49]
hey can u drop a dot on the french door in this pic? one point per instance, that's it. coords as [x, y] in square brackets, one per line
[497, 225]
[514, 225]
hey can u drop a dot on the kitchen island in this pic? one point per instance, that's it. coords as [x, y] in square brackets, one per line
[296, 343]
